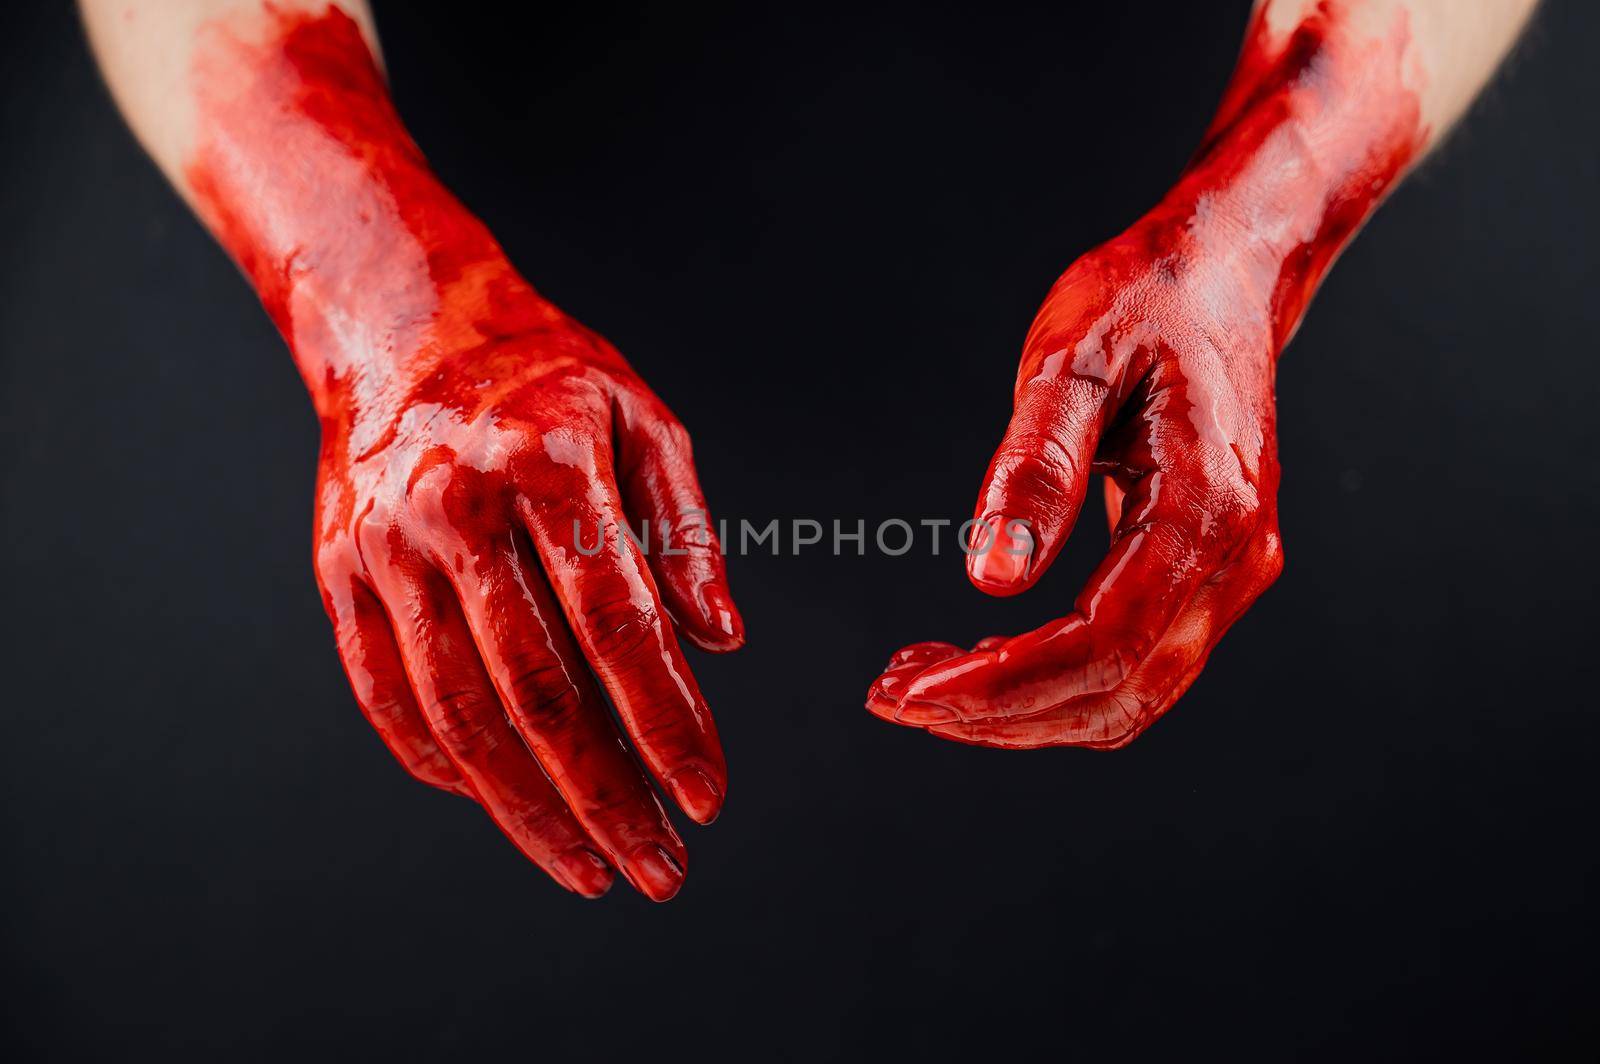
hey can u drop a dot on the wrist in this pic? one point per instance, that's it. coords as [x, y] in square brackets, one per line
[1317, 128]
[305, 173]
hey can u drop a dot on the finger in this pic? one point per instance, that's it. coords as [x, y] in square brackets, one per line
[541, 678]
[1164, 549]
[470, 726]
[657, 476]
[1036, 482]
[1120, 715]
[1110, 720]
[1131, 601]
[378, 678]
[883, 697]
[610, 601]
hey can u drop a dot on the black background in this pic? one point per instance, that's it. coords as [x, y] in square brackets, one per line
[1369, 829]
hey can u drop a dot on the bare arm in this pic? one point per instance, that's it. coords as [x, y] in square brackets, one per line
[476, 444]
[146, 51]
[1153, 360]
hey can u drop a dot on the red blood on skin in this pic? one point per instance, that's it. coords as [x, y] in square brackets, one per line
[1152, 361]
[470, 432]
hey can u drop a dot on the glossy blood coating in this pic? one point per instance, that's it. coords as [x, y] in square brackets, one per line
[1152, 362]
[472, 436]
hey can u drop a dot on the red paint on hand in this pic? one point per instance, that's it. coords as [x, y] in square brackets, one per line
[472, 436]
[1152, 362]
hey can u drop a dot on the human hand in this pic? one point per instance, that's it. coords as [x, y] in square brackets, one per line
[1150, 362]
[477, 444]
[460, 502]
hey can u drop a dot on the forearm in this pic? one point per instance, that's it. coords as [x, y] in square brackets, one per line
[468, 429]
[1330, 106]
[276, 126]
[1152, 362]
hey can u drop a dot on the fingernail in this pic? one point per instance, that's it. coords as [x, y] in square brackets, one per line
[1002, 561]
[722, 614]
[585, 872]
[697, 795]
[925, 714]
[653, 871]
[881, 697]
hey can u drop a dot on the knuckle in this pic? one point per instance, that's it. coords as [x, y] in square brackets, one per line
[567, 458]
[1232, 479]
[530, 820]
[373, 530]
[336, 557]
[1135, 718]
[425, 497]
[384, 713]
[461, 722]
[1116, 722]
[452, 508]
[1225, 509]
[623, 628]
[435, 770]
[1256, 567]
[1179, 541]
[588, 395]
[1035, 467]
[1247, 501]
[672, 436]
[1270, 558]
[541, 688]
[1035, 449]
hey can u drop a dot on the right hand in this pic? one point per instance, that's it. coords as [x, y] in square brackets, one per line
[459, 505]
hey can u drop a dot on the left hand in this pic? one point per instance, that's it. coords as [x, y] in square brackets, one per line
[1150, 362]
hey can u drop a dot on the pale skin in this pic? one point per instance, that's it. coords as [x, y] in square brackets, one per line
[1153, 362]
[1458, 45]
[144, 48]
[474, 437]
[148, 50]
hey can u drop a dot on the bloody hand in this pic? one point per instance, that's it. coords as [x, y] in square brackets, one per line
[1152, 362]
[481, 452]
[471, 558]
[1127, 373]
